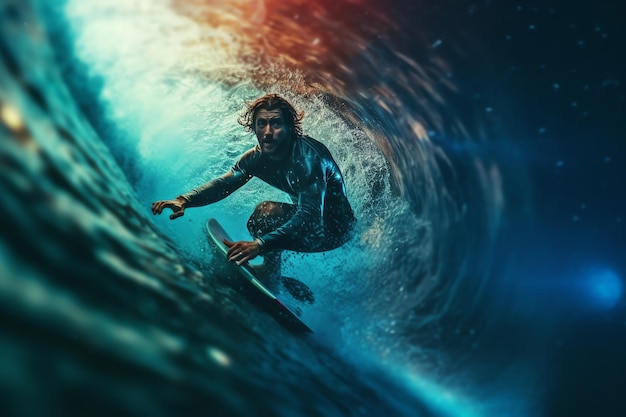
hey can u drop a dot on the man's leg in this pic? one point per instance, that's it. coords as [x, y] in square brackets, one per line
[268, 216]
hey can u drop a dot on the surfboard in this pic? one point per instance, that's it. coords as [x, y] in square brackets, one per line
[258, 292]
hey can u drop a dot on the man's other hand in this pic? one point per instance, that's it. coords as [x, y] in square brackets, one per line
[177, 206]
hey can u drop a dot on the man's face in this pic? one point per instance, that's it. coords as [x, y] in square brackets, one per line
[272, 133]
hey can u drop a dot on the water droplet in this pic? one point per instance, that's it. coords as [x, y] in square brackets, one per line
[218, 356]
[11, 117]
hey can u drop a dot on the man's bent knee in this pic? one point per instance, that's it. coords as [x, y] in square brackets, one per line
[267, 216]
[267, 208]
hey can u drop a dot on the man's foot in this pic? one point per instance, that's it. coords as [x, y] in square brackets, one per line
[298, 290]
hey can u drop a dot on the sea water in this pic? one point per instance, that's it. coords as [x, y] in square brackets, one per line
[106, 309]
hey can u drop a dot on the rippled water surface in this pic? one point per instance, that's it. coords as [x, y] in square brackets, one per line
[463, 293]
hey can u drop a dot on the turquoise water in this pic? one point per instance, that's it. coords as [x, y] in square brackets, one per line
[106, 309]
[112, 309]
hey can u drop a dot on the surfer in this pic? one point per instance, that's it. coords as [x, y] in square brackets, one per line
[319, 218]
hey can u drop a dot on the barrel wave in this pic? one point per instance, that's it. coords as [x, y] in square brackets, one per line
[106, 309]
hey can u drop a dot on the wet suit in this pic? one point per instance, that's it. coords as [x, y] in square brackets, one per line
[320, 217]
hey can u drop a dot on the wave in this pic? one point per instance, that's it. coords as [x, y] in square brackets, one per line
[138, 102]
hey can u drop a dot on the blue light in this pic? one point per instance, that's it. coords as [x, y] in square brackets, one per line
[605, 287]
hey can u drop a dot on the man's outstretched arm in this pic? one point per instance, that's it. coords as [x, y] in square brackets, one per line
[206, 194]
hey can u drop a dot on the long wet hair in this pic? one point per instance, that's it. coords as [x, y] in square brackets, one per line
[293, 118]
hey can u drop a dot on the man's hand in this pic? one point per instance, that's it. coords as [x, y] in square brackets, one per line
[177, 206]
[241, 252]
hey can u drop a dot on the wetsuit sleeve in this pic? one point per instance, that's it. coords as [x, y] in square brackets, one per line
[221, 187]
[308, 219]
[216, 189]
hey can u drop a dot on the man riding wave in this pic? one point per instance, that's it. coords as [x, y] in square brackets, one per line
[319, 218]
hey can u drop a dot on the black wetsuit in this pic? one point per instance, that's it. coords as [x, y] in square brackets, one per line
[321, 217]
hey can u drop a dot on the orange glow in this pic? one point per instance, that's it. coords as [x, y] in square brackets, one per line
[317, 38]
